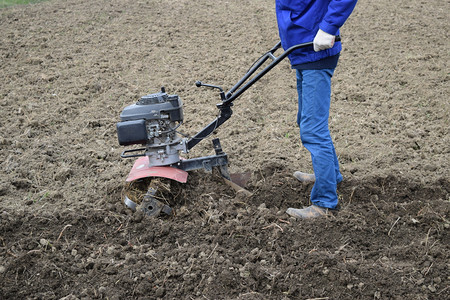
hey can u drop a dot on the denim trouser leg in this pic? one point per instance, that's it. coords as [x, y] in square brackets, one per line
[314, 91]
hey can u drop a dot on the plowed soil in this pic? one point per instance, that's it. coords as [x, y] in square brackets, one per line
[68, 68]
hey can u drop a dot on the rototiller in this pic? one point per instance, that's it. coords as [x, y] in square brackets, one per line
[153, 122]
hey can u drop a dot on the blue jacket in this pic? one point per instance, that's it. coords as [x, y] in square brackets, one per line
[299, 21]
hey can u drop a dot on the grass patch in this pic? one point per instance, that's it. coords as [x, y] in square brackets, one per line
[5, 3]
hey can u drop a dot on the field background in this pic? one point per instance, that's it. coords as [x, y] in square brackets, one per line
[68, 68]
[5, 3]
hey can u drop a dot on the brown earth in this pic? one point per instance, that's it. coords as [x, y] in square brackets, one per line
[69, 67]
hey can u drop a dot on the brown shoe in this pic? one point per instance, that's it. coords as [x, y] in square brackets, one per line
[304, 177]
[309, 212]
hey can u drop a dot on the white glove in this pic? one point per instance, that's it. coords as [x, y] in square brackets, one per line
[323, 41]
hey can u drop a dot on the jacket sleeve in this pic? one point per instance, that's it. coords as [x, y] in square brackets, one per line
[338, 12]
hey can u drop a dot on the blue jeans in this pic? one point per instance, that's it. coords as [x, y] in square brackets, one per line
[314, 92]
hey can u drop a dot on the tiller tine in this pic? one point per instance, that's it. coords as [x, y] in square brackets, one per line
[159, 185]
[152, 207]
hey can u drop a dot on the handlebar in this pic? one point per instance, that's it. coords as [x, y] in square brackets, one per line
[238, 89]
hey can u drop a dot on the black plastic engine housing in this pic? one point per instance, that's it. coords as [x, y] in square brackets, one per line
[134, 118]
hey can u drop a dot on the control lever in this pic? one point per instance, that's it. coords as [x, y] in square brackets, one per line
[222, 94]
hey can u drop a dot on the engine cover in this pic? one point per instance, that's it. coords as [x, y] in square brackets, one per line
[153, 121]
[155, 107]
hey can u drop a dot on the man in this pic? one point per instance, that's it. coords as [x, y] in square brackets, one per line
[301, 21]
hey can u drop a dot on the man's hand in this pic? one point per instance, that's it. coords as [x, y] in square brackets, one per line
[323, 41]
